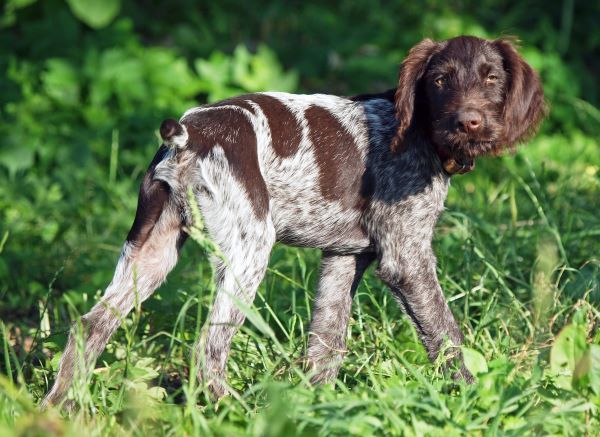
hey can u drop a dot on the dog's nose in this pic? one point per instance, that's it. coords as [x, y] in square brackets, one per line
[470, 120]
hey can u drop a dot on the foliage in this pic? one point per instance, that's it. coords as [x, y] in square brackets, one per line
[84, 87]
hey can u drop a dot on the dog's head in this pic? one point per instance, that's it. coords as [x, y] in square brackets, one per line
[471, 96]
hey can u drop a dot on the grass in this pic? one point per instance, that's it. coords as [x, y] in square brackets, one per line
[518, 260]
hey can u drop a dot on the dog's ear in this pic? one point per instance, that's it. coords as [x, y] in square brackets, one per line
[412, 70]
[524, 106]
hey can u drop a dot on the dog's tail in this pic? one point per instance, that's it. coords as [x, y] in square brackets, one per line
[173, 133]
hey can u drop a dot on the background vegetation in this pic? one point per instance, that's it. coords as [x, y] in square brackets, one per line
[84, 86]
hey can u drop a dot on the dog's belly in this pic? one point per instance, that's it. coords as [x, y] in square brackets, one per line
[303, 217]
[322, 225]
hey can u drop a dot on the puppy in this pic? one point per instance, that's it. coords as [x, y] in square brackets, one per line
[363, 179]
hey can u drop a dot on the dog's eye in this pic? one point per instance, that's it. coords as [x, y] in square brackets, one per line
[440, 81]
[491, 79]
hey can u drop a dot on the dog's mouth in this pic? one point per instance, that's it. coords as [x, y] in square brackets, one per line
[462, 145]
[474, 148]
[468, 148]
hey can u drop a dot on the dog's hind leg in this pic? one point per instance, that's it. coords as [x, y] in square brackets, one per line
[238, 278]
[150, 252]
[340, 276]
[245, 236]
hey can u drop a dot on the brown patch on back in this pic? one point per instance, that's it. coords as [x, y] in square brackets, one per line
[341, 168]
[231, 130]
[285, 128]
[241, 101]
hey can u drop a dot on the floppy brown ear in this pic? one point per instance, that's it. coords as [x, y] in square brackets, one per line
[412, 70]
[524, 106]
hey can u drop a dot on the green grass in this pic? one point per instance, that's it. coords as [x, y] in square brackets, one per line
[518, 260]
[518, 247]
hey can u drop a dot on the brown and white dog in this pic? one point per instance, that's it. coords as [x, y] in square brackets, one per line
[361, 178]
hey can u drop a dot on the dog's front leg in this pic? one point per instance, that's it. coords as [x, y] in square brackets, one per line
[413, 281]
[340, 276]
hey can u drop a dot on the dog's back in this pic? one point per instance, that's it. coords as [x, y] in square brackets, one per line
[298, 161]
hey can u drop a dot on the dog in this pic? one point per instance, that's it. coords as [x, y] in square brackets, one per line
[363, 179]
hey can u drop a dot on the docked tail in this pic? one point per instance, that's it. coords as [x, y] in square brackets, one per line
[173, 133]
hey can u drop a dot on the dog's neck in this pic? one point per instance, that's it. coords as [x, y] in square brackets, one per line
[451, 163]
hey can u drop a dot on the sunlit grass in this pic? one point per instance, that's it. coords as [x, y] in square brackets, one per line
[518, 260]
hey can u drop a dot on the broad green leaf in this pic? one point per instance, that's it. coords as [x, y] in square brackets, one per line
[61, 82]
[474, 361]
[567, 350]
[587, 370]
[49, 231]
[15, 158]
[95, 13]
[215, 69]
[262, 71]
